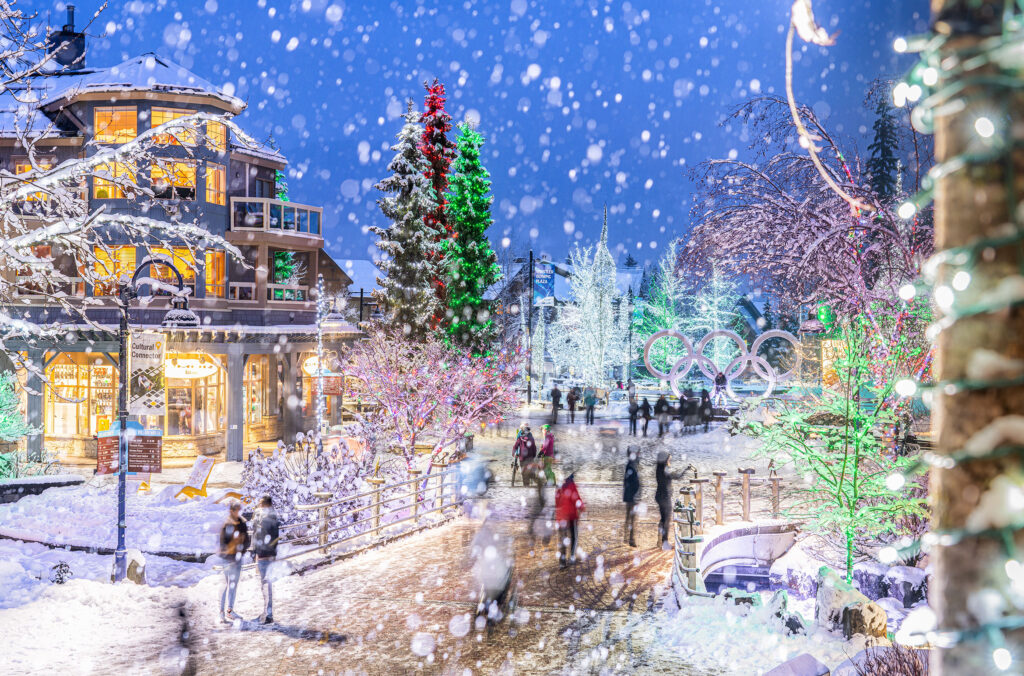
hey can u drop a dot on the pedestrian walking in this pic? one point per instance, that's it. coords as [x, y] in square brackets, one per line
[234, 541]
[720, 389]
[266, 532]
[524, 450]
[572, 400]
[556, 403]
[631, 388]
[590, 401]
[645, 412]
[634, 411]
[568, 507]
[706, 409]
[663, 495]
[547, 454]
[661, 411]
[630, 496]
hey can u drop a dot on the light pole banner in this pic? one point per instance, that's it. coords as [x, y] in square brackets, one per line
[543, 285]
[146, 374]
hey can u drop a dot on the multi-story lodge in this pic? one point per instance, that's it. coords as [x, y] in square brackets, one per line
[237, 380]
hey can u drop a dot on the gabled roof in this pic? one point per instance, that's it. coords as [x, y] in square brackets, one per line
[144, 73]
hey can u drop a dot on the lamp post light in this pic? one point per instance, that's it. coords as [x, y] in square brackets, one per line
[179, 316]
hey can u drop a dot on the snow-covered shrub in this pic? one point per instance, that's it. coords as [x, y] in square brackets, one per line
[895, 660]
[61, 573]
[291, 475]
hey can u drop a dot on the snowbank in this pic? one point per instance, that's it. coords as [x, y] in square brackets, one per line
[718, 636]
[87, 516]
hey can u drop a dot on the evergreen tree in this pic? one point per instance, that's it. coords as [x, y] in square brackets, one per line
[439, 152]
[768, 315]
[280, 180]
[472, 263]
[661, 311]
[883, 165]
[12, 423]
[410, 244]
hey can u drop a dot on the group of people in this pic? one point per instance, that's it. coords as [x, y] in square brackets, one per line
[690, 412]
[538, 470]
[588, 398]
[235, 542]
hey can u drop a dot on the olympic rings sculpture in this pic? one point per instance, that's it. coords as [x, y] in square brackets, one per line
[695, 355]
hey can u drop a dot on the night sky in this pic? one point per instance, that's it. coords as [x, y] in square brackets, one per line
[583, 103]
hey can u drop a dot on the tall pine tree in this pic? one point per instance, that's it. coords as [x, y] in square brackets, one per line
[439, 152]
[883, 166]
[472, 263]
[411, 244]
[662, 310]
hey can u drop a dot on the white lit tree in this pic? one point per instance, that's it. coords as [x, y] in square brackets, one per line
[663, 309]
[714, 309]
[590, 336]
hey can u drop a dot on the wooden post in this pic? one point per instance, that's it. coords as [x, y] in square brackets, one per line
[775, 496]
[698, 487]
[439, 499]
[324, 498]
[719, 498]
[376, 482]
[415, 493]
[745, 492]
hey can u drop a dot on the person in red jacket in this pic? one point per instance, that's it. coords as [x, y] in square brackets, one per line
[568, 507]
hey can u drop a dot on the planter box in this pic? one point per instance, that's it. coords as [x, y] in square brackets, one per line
[12, 490]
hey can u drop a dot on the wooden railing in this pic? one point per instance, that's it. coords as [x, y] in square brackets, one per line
[689, 522]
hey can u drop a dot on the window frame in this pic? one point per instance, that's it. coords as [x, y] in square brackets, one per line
[105, 282]
[174, 188]
[216, 285]
[189, 137]
[212, 168]
[116, 169]
[216, 141]
[100, 136]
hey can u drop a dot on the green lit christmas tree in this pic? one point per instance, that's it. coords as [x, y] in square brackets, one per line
[472, 263]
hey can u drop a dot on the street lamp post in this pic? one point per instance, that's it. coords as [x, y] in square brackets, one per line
[179, 316]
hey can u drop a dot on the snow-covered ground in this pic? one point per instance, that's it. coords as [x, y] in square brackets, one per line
[86, 516]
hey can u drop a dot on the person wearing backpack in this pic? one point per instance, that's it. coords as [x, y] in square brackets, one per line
[630, 496]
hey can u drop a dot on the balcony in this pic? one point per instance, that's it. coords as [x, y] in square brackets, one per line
[262, 214]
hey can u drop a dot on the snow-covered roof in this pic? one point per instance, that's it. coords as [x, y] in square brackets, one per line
[363, 272]
[144, 73]
[261, 151]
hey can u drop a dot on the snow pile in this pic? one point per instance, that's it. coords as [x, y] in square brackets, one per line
[87, 516]
[714, 634]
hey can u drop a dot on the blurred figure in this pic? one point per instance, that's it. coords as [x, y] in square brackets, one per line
[266, 532]
[547, 454]
[634, 411]
[523, 451]
[568, 507]
[630, 495]
[493, 564]
[572, 400]
[719, 391]
[589, 401]
[706, 409]
[631, 389]
[234, 540]
[645, 411]
[556, 403]
[661, 410]
[663, 495]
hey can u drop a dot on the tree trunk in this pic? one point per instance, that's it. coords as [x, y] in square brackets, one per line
[969, 205]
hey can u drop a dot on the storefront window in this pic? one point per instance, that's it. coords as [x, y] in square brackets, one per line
[80, 395]
[256, 386]
[196, 395]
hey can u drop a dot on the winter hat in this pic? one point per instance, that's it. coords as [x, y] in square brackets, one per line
[662, 457]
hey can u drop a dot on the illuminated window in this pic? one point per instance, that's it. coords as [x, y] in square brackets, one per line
[23, 167]
[115, 125]
[108, 188]
[216, 136]
[183, 259]
[216, 279]
[174, 180]
[110, 265]
[162, 116]
[216, 184]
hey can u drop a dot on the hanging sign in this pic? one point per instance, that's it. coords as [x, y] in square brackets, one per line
[146, 374]
[189, 368]
[330, 360]
[543, 285]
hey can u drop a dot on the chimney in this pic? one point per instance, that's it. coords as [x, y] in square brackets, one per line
[67, 45]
